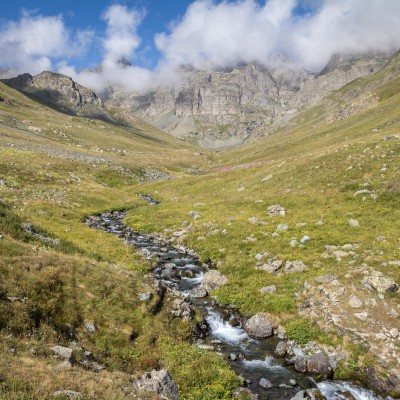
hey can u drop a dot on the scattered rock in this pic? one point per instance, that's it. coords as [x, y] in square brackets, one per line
[64, 352]
[244, 393]
[282, 227]
[276, 210]
[300, 364]
[159, 382]
[198, 292]
[354, 223]
[319, 366]
[305, 239]
[253, 220]
[363, 316]
[259, 326]
[194, 214]
[90, 327]
[145, 296]
[268, 289]
[355, 302]
[182, 309]
[281, 349]
[265, 383]
[380, 282]
[213, 279]
[295, 266]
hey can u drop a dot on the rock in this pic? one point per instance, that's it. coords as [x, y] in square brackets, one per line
[300, 364]
[281, 349]
[145, 296]
[90, 327]
[305, 239]
[314, 394]
[265, 383]
[282, 227]
[194, 214]
[354, 223]
[259, 326]
[253, 220]
[244, 393]
[64, 352]
[363, 316]
[271, 266]
[319, 366]
[319, 223]
[213, 279]
[159, 382]
[394, 332]
[71, 394]
[292, 382]
[345, 395]
[206, 347]
[380, 282]
[182, 309]
[268, 289]
[281, 332]
[355, 302]
[198, 292]
[326, 278]
[295, 266]
[233, 356]
[276, 210]
[363, 191]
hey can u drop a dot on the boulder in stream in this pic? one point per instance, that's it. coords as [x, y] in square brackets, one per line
[319, 366]
[259, 326]
[213, 279]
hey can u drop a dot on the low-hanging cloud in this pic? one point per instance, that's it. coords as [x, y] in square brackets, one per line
[220, 34]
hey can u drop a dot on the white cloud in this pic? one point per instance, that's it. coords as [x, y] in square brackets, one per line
[30, 44]
[211, 34]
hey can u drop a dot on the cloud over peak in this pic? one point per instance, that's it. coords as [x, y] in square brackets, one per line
[211, 34]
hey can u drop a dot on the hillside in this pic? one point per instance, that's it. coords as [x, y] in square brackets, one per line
[331, 263]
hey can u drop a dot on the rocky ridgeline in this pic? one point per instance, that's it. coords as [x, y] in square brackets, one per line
[226, 108]
[58, 89]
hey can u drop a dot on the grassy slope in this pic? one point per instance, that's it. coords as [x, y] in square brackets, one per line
[70, 168]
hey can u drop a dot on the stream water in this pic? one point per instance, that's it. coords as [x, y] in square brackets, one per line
[252, 359]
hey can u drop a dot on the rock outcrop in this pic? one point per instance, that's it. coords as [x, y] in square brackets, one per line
[226, 108]
[55, 88]
[159, 382]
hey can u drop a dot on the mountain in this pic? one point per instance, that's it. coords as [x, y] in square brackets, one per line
[226, 108]
[60, 91]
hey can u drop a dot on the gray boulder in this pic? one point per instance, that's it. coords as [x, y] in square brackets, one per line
[159, 382]
[281, 349]
[319, 366]
[259, 326]
[276, 210]
[381, 282]
[295, 266]
[213, 279]
[265, 383]
[198, 292]
[64, 352]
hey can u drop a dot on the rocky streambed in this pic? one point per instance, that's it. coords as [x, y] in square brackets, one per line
[270, 367]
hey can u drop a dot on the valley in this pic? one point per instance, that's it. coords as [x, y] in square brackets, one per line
[302, 223]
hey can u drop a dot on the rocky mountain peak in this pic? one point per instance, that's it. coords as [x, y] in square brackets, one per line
[227, 107]
[56, 88]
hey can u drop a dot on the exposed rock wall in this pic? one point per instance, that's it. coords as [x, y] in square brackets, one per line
[225, 108]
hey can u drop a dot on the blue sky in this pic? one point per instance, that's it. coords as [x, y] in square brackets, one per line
[159, 36]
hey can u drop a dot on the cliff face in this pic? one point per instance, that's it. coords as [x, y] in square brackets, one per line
[225, 108]
[55, 88]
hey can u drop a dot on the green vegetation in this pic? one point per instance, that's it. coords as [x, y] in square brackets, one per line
[58, 168]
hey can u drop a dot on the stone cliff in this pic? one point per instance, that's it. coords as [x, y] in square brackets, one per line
[226, 108]
[55, 88]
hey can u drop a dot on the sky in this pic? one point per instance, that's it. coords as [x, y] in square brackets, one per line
[142, 44]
